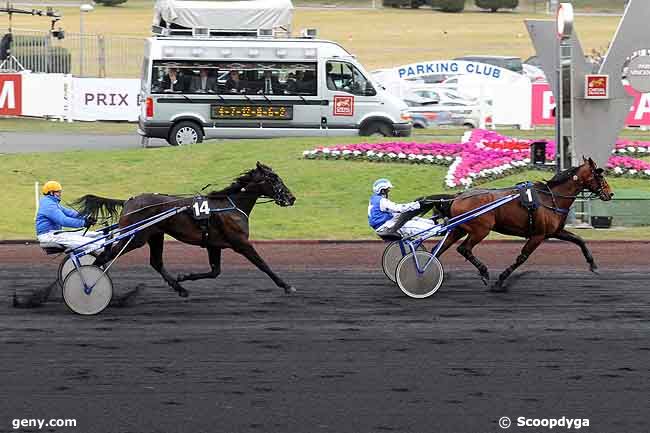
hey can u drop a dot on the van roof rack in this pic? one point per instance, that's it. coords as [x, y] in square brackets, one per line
[204, 32]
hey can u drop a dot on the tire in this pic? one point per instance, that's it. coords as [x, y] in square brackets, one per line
[185, 133]
[468, 126]
[377, 129]
[392, 256]
[419, 285]
[66, 266]
[94, 302]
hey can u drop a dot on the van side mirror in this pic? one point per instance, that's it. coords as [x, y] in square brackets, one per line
[370, 90]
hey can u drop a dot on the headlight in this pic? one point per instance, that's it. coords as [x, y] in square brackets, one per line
[405, 116]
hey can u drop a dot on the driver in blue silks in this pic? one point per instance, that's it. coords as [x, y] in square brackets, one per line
[383, 213]
[52, 217]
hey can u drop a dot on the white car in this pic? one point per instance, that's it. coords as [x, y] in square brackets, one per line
[535, 74]
[443, 95]
[427, 113]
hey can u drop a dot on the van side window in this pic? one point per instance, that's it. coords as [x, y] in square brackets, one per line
[234, 78]
[344, 77]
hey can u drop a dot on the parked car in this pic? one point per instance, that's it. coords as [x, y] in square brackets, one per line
[534, 73]
[507, 62]
[427, 113]
[443, 95]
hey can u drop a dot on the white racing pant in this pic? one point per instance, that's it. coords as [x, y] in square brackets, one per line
[410, 228]
[72, 239]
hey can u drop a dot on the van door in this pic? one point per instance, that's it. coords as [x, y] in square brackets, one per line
[349, 95]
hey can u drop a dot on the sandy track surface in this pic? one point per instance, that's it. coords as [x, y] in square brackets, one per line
[347, 353]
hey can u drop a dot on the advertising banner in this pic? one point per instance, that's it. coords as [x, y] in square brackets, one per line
[543, 104]
[11, 94]
[105, 99]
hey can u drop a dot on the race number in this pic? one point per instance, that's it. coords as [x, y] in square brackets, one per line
[201, 208]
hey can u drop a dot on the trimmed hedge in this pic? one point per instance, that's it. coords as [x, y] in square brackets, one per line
[449, 5]
[495, 5]
[110, 2]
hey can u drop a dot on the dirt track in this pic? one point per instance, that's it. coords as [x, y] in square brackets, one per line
[348, 353]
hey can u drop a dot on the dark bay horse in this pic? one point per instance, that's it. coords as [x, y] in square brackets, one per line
[225, 229]
[555, 198]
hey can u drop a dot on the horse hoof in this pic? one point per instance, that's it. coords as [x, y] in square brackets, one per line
[594, 268]
[180, 277]
[486, 280]
[183, 293]
[498, 287]
[289, 290]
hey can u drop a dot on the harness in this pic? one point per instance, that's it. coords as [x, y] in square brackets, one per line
[201, 212]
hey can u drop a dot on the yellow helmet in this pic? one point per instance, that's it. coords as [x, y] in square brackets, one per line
[51, 186]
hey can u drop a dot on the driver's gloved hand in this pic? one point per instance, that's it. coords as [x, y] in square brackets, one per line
[90, 221]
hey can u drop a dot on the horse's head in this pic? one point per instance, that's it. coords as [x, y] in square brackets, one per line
[592, 178]
[265, 182]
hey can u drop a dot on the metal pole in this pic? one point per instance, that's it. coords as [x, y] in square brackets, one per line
[81, 43]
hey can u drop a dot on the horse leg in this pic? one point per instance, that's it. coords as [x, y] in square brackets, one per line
[156, 243]
[565, 235]
[528, 248]
[214, 254]
[453, 237]
[465, 250]
[248, 251]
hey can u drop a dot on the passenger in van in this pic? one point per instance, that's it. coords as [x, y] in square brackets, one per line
[173, 81]
[331, 85]
[308, 83]
[234, 84]
[204, 83]
[270, 84]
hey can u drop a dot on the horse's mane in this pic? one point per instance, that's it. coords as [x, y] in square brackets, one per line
[236, 185]
[562, 177]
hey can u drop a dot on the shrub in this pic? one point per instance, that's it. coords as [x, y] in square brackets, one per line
[110, 2]
[449, 5]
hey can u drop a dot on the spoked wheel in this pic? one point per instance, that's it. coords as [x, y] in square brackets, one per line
[67, 266]
[99, 294]
[419, 284]
[391, 257]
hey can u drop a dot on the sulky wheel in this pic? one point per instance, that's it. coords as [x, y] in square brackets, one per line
[100, 293]
[67, 266]
[391, 257]
[416, 284]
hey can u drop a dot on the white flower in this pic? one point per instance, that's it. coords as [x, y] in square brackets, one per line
[618, 170]
[336, 152]
[380, 154]
[632, 171]
[439, 157]
[306, 152]
[326, 150]
[392, 155]
[356, 153]
[370, 153]
[622, 151]
[448, 158]
[631, 149]
[527, 160]
[347, 152]
[647, 172]
[401, 155]
[641, 149]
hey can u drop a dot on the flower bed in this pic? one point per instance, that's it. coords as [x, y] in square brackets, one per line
[481, 156]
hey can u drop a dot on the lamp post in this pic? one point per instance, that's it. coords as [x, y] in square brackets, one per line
[84, 8]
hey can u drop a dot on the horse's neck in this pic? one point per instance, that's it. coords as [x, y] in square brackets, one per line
[244, 201]
[565, 194]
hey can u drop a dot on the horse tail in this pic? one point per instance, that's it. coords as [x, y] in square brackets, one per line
[441, 202]
[99, 207]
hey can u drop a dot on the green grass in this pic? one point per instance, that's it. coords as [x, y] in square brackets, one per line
[332, 195]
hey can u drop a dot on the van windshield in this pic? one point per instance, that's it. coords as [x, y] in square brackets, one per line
[231, 78]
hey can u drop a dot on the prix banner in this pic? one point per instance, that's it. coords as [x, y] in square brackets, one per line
[105, 99]
[544, 103]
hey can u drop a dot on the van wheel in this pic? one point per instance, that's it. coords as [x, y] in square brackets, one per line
[377, 129]
[468, 126]
[184, 133]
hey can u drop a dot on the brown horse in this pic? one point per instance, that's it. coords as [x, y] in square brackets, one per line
[555, 198]
[227, 228]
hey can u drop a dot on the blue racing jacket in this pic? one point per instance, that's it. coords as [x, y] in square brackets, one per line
[53, 216]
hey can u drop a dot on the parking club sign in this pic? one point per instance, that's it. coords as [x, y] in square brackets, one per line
[597, 86]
